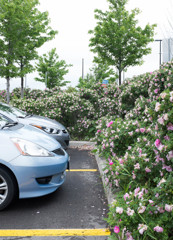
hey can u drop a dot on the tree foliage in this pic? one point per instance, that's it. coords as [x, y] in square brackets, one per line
[52, 70]
[23, 29]
[117, 39]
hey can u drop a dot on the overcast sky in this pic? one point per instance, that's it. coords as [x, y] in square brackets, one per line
[73, 19]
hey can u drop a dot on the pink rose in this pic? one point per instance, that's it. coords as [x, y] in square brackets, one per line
[147, 170]
[142, 228]
[157, 143]
[168, 208]
[156, 90]
[116, 229]
[110, 123]
[170, 126]
[126, 196]
[158, 229]
[119, 210]
[142, 130]
[169, 156]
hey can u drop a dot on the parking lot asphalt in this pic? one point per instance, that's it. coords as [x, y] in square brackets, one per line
[79, 207]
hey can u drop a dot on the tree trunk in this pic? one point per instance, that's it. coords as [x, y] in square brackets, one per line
[119, 69]
[8, 89]
[120, 77]
[22, 79]
[22, 87]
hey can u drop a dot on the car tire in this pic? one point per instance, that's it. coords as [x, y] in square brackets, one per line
[8, 189]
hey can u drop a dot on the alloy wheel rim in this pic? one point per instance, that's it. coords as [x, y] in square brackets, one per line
[3, 189]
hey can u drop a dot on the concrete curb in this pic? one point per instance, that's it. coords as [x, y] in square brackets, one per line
[101, 165]
[81, 143]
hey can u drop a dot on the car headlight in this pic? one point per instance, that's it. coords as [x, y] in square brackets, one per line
[28, 148]
[47, 129]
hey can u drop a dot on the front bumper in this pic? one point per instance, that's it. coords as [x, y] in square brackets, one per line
[38, 176]
[63, 138]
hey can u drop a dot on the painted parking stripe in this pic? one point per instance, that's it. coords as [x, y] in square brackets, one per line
[53, 232]
[82, 170]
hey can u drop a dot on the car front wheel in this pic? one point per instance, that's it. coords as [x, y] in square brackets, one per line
[7, 188]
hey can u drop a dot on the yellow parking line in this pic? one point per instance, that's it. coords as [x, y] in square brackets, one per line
[53, 232]
[82, 170]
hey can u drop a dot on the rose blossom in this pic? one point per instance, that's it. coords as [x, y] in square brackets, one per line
[170, 126]
[158, 229]
[165, 116]
[156, 90]
[161, 210]
[161, 181]
[130, 212]
[119, 210]
[133, 175]
[137, 166]
[163, 95]
[167, 138]
[129, 236]
[116, 229]
[168, 207]
[169, 156]
[157, 107]
[126, 196]
[150, 201]
[161, 121]
[110, 123]
[142, 130]
[147, 170]
[136, 191]
[142, 228]
[157, 143]
[141, 209]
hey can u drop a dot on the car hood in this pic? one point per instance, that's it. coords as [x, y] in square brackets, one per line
[42, 121]
[31, 134]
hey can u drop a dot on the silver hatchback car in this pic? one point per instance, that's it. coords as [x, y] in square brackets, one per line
[51, 127]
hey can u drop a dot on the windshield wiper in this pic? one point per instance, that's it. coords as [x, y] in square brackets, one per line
[9, 124]
[29, 115]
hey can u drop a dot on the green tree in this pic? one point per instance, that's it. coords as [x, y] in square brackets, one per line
[52, 70]
[34, 31]
[117, 39]
[98, 73]
[23, 29]
[8, 40]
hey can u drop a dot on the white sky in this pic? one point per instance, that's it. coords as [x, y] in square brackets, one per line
[73, 19]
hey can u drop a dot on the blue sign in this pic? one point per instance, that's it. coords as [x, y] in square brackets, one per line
[105, 81]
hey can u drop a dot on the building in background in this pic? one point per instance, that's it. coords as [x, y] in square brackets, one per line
[167, 48]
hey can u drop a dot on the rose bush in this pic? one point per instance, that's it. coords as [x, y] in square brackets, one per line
[142, 172]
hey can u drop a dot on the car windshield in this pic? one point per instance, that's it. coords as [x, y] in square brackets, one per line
[12, 110]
